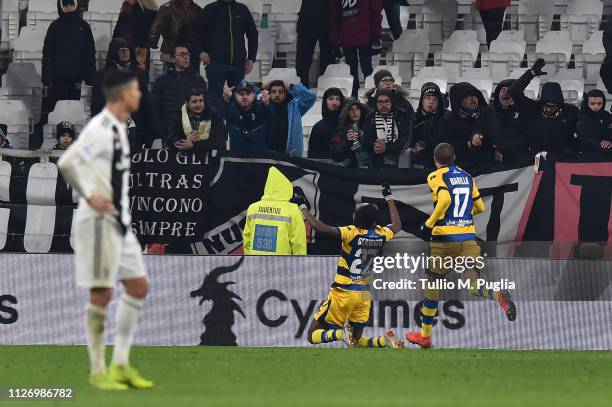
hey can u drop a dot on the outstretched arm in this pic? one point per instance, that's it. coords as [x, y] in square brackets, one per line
[396, 222]
[317, 224]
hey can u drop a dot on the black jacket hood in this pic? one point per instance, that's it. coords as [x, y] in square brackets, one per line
[586, 113]
[463, 89]
[60, 9]
[552, 93]
[431, 88]
[327, 114]
[112, 57]
[506, 83]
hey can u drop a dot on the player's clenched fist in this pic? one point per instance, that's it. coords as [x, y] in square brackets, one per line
[386, 191]
[227, 93]
[103, 206]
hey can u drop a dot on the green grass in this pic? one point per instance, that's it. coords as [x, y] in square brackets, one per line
[223, 376]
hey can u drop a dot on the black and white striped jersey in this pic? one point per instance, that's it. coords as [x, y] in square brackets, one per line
[99, 162]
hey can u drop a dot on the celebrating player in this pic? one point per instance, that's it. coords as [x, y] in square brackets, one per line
[97, 166]
[343, 315]
[453, 234]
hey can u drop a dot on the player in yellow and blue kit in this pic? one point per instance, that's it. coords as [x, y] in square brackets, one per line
[345, 312]
[453, 234]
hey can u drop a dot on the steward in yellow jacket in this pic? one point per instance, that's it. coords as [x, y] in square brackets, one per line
[275, 226]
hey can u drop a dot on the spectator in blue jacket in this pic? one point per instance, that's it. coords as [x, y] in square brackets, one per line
[289, 104]
[246, 118]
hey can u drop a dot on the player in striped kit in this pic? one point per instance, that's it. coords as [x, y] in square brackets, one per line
[97, 166]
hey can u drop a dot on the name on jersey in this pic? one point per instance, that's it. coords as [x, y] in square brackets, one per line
[459, 181]
[269, 209]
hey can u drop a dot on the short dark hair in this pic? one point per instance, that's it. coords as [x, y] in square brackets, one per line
[114, 82]
[365, 215]
[444, 153]
[277, 82]
[195, 92]
[180, 45]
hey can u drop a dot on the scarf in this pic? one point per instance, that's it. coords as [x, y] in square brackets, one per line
[386, 127]
[203, 127]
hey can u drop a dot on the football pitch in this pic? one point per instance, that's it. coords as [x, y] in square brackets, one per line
[229, 376]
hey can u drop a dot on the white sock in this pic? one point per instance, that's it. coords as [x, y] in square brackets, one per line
[128, 312]
[94, 321]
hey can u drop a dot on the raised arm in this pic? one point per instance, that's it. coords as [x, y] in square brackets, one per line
[300, 200]
[396, 221]
[518, 88]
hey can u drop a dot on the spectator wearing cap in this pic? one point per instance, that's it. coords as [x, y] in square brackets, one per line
[170, 90]
[383, 79]
[432, 107]
[356, 26]
[197, 126]
[387, 131]
[321, 140]
[492, 15]
[173, 23]
[289, 102]
[550, 122]
[594, 128]
[134, 25]
[219, 34]
[312, 27]
[457, 127]
[246, 118]
[65, 135]
[68, 55]
[504, 125]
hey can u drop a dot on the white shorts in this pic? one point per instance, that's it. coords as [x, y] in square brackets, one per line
[104, 255]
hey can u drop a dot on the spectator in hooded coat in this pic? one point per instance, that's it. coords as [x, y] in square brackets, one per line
[550, 122]
[387, 131]
[351, 143]
[69, 55]
[594, 127]
[432, 107]
[504, 125]
[356, 26]
[326, 130]
[457, 126]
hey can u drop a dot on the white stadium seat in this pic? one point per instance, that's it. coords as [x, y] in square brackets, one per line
[21, 82]
[555, 48]
[344, 84]
[29, 46]
[458, 52]
[504, 55]
[572, 84]
[438, 18]
[265, 56]
[14, 114]
[481, 78]
[582, 19]
[283, 21]
[9, 23]
[283, 74]
[337, 71]
[410, 52]
[535, 18]
[436, 75]
[511, 35]
[533, 89]
[5, 180]
[40, 219]
[103, 14]
[41, 12]
[591, 57]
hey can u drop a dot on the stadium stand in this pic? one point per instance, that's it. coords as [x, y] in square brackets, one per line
[410, 52]
[556, 49]
[582, 19]
[534, 19]
[14, 114]
[458, 52]
[22, 82]
[41, 13]
[9, 23]
[506, 53]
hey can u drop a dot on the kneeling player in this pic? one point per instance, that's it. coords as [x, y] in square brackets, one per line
[343, 315]
[453, 234]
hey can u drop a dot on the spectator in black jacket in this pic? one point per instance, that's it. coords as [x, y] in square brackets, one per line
[218, 35]
[387, 131]
[457, 126]
[197, 127]
[312, 27]
[326, 130]
[69, 55]
[594, 127]
[65, 135]
[551, 123]
[352, 143]
[134, 25]
[503, 124]
[142, 129]
[171, 89]
[383, 79]
[432, 107]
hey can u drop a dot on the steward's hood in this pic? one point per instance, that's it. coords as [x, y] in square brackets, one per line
[278, 187]
[461, 90]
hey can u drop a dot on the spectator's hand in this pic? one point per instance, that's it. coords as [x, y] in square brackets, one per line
[419, 146]
[194, 136]
[299, 198]
[265, 97]
[351, 135]
[183, 145]
[536, 69]
[499, 156]
[606, 145]
[425, 231]
[380, 147]
[248, 67]
[477, 140]
[101, 205]
[205, 58]
[227, 93]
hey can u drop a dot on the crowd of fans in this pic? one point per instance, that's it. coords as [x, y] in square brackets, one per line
[228, 112]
